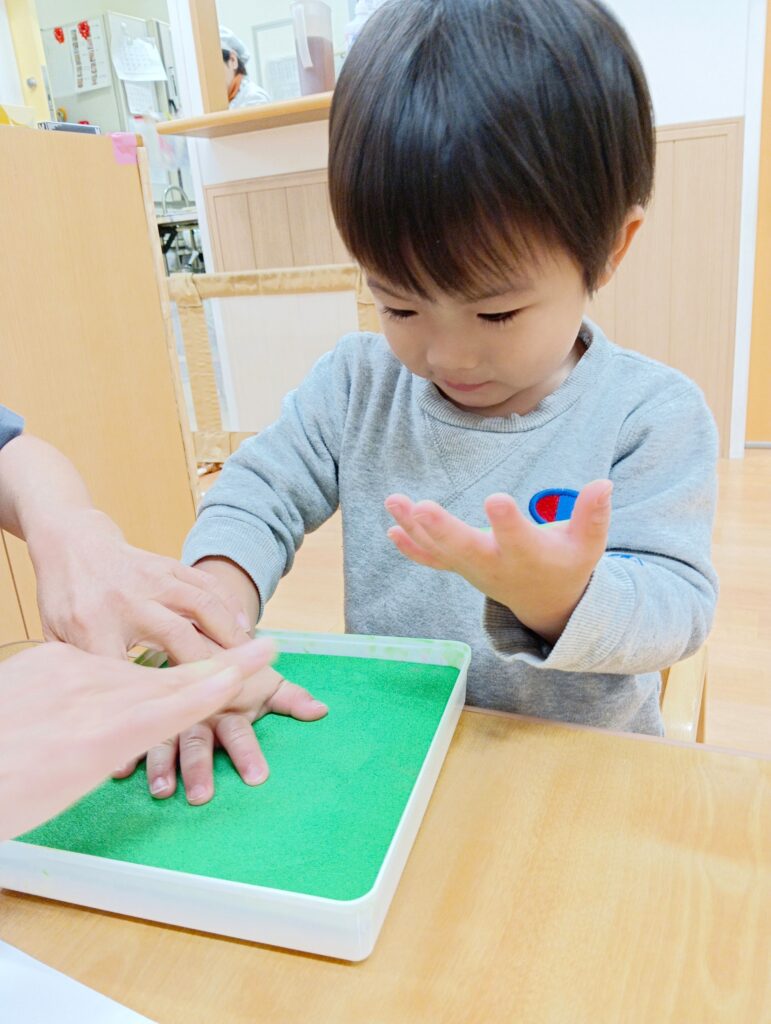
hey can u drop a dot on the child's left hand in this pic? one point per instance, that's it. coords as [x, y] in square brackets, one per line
[539, 572]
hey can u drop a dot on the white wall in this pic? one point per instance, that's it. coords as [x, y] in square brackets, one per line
[694, 53]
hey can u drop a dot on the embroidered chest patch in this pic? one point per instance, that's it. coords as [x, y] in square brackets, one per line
[553, 506]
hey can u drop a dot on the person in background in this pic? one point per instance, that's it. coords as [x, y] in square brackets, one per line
[75, 708]
[242, 92]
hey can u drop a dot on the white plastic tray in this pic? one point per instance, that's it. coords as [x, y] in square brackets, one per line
[346, 930]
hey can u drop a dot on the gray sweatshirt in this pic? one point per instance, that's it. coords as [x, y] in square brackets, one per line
[361, 427]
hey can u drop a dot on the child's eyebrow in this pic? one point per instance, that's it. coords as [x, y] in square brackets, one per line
[519, 284]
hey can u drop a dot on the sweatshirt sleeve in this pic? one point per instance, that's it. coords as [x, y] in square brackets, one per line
[280, 484]
[11, 425]
[651, 598]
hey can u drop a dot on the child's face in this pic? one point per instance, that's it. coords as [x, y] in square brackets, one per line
[501, 354]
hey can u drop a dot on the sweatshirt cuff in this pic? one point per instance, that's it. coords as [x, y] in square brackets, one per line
[257, 553]
[594, 631]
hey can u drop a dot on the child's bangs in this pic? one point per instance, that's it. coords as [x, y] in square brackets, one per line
[423, 235]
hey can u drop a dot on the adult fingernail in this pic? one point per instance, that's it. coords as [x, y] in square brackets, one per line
[158, 786]
[197, 794]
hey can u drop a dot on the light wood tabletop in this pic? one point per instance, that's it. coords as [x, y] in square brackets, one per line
[561, 875]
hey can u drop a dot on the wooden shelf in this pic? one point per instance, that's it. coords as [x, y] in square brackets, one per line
[302, 110]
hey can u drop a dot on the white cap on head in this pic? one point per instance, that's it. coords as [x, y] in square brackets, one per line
[230, 41]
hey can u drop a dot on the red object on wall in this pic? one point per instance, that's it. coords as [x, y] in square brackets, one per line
[85, 29]
[59, 35]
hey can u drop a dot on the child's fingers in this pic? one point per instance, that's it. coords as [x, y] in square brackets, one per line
[295, 702]
[196, 762]
[410, 549]
[236, 734]
[402, 509]
[510, 528]
[161, 769]
[462, 544]
[590, 520]
[126, 770]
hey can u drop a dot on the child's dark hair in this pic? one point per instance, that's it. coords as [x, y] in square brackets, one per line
[466, 133]
[241, 69]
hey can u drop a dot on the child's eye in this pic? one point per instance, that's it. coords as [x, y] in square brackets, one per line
[499, 318]
[398, 314]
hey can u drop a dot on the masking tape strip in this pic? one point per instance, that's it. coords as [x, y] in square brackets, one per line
[124, 147]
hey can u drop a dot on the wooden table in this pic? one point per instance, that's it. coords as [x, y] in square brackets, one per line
[561, 875]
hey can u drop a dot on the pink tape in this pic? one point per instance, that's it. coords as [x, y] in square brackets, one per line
[124, 147]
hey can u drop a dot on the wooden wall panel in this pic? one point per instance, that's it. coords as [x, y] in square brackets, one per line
[269, 223]
[280, 221]
[674, 296]
[643, 293]
[83, 334]
[234, 232]
[309, 225]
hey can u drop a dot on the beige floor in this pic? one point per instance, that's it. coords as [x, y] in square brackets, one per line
[739, 696]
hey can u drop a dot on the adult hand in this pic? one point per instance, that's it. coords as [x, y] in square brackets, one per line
[67, 718]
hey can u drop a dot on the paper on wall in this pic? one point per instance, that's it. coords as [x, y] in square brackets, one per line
[140, 97]
[136, 59]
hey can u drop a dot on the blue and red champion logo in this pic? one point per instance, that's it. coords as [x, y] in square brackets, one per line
[553, 506]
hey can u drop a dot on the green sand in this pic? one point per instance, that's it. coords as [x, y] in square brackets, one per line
[322, 822]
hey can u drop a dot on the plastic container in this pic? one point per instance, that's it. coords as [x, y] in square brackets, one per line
[312, 21]
[342, 928]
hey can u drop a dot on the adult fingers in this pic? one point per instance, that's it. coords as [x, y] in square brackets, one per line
[208, 581]
[175, 635]
[196, 762]
[207, 609]
[141, 721]
[292, 700]
[162, 769]
[108, 645]
[236, 734]
[149, 705]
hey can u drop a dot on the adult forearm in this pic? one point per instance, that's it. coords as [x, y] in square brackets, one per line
[40, 491]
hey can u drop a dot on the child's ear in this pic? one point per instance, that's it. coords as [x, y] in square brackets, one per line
[630, 227]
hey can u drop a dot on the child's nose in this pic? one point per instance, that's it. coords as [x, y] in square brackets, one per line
[447, 356]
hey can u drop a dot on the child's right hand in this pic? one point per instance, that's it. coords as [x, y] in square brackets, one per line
[261, 694]
[66, 717]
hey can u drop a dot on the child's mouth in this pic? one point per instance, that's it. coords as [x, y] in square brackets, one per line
[465, 388]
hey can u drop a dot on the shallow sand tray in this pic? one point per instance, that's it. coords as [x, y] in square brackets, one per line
[309, 860]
